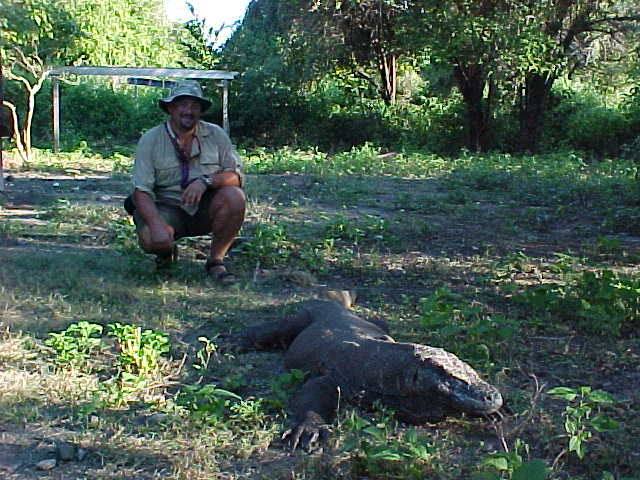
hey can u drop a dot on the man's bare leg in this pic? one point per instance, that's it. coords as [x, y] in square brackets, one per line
[155, 235]
[227, 209]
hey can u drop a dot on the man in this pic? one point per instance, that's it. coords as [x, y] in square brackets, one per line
[187, 181]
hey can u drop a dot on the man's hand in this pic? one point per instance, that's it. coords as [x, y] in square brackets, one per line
[158, 237]
[193, 193]
[161, 236]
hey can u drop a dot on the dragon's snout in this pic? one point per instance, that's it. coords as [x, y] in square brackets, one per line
[479, 398]
[493, 401]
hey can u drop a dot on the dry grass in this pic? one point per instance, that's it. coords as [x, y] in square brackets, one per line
[399, 240]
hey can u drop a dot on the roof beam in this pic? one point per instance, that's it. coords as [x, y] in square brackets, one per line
[147, 72]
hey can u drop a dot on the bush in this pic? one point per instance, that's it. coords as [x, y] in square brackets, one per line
[581, 121]
[95, 112]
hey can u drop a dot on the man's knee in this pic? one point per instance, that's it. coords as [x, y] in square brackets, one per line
[232, 198]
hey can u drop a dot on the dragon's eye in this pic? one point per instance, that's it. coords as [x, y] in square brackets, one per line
[444, 388]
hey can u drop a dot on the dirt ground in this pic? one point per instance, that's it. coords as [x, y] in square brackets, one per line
[438, 243]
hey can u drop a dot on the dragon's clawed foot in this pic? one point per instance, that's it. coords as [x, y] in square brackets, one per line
[309, 434]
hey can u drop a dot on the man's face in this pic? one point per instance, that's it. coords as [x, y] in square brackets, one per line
[184, 113]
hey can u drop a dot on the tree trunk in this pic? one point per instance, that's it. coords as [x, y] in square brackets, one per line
[471, 81]
[388, 76]
[533, 106]
[17, 135]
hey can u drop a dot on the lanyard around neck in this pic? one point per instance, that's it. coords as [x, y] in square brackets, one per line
[182, 156]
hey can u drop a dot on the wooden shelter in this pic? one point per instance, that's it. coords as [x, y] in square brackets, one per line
[162, 73]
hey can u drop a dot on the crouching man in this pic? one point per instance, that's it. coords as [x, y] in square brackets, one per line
[187, 181]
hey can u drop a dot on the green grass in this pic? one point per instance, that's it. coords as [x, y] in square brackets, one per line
[523, 266]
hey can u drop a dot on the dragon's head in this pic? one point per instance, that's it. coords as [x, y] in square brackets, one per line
[476, 397]
[443, 379]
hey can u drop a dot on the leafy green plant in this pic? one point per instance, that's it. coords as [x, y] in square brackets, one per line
[123, 388]
[122, 233]
[602, 302]
[284, 385]
[250, 411]
[371, 229]
[74, 345]
[510, 465]
[204, 354]
[343, 228]
[207, 403]
[466, 326]
[140, 349]
[270, 245]
[579, 424]
[378, 448]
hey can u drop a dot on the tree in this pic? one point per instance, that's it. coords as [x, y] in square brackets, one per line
[39, 34]
[200, 42]
[365, 33]
[570, 28]
[128, 33]
[513, 48]
[35, 35]
[472, 36]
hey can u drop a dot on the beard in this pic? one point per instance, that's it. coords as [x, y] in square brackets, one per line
[186, 122]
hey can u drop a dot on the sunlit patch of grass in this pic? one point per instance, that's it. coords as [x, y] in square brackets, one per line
[79, 162]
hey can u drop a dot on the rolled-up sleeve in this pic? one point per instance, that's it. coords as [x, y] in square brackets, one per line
[230, 161]
[144, 177]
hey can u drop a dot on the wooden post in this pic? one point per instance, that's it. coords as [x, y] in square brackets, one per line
[225, 105]
[2, 126]
[55, 85]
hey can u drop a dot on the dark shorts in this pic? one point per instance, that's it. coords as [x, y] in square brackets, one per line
[183, 224]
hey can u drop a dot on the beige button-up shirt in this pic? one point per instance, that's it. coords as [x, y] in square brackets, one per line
[156, 169]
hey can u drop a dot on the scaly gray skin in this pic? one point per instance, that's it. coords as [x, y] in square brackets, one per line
[355, 360]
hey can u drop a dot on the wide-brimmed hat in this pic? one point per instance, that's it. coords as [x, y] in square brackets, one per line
[186, 88]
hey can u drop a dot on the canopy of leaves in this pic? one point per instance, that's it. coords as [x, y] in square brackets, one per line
[93, 32]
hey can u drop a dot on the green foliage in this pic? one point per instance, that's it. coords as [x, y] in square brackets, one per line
[37, 27]
[122, 233]
[137, 34]
[466, 329]
[582, 120]
[602, 302]
[372, 229]
[269, 245]
[625, 219]
[204, 354]
[283, 387]
[74, 345]
[96, 112]
[510, 465]
[140, 349]
[249, 412]
[200, 41]
[378, 449]
[206, 403]
[579, 424]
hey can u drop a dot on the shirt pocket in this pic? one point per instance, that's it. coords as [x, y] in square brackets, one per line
[168, 172]
[210, 160]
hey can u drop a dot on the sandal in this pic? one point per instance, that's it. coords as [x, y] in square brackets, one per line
[224, 277]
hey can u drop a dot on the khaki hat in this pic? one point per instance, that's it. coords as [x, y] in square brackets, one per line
[186, 88]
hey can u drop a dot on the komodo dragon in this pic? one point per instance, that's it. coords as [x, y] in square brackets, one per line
[355, 360]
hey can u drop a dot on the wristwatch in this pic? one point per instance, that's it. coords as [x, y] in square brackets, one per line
[207, 180]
